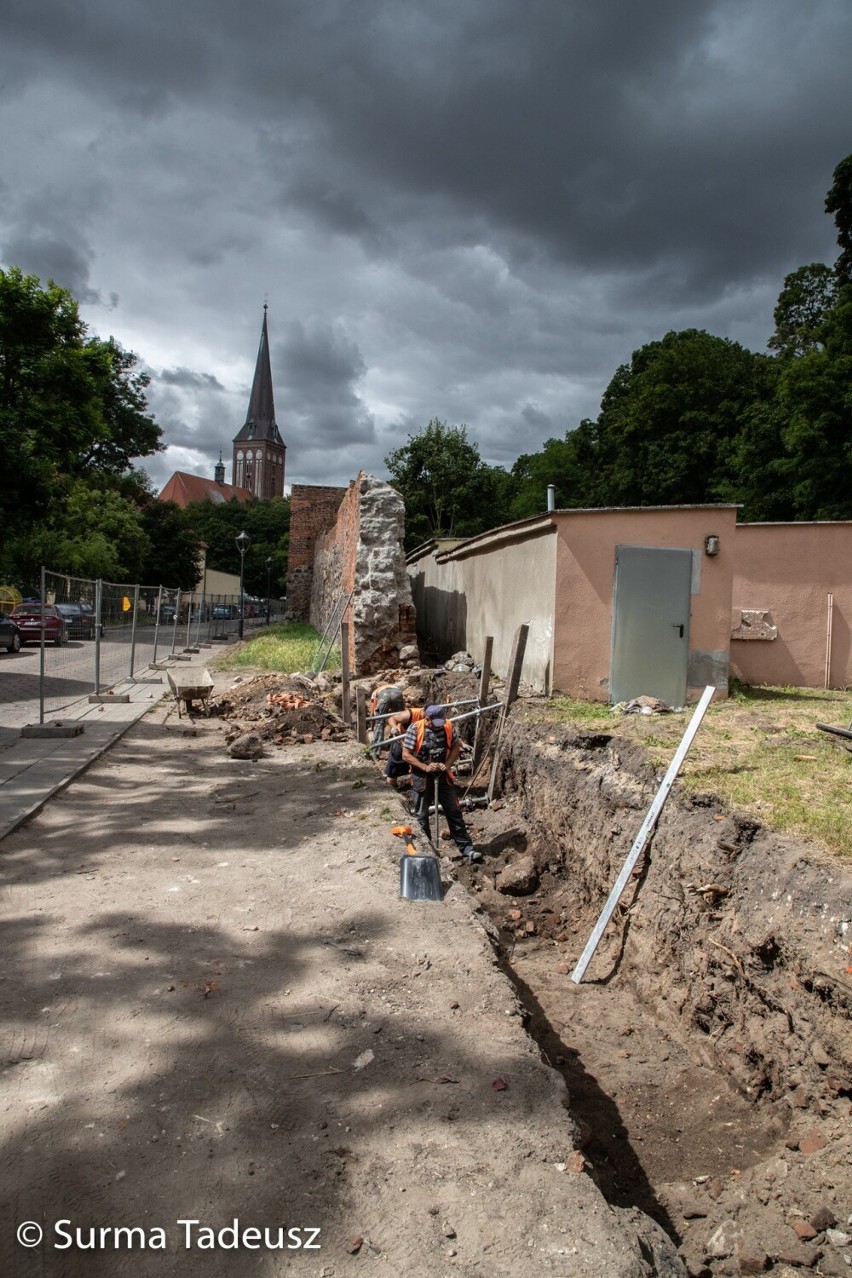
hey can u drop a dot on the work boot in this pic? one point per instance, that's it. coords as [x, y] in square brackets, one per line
[471, 855]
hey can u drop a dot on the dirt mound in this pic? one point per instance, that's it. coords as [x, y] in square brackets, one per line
[281, 709]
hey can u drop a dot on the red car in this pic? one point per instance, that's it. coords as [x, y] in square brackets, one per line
[27, 617]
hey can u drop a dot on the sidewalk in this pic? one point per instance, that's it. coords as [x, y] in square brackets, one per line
[33, 769]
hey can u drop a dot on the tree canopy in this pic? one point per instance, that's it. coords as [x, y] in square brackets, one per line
[267, 524]
[448, 490]
[72, 416]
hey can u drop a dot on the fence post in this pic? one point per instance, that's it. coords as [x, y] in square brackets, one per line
[175, 622]
[42, 591]
[157, 625]
[99, 601]
[133, 628]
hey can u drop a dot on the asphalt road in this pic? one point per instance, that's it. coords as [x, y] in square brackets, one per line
[69, 671]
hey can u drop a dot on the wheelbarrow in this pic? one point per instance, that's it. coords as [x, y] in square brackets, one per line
[189, 686]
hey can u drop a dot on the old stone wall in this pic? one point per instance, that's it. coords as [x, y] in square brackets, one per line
[363, 555]
[313, 511]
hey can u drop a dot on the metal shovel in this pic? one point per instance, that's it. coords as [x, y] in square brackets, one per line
[419, 876]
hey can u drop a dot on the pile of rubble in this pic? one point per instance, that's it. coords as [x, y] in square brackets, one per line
[280, 709]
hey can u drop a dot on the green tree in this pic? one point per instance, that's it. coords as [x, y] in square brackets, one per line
[267, 524]
[91, 532]
[173, 555]
[569, 464]
[804, 304]
[839, 202]
[669, 418]
[70, 405]
[447, 489]
[815, 394]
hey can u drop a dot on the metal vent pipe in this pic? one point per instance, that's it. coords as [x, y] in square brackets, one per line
[551, 496]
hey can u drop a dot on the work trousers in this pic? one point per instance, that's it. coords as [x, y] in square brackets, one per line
[395, 765]
[424, 795]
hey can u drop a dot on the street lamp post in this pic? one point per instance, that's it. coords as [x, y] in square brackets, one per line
[268, 580]
[243, 542]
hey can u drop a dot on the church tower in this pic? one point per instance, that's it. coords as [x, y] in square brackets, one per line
[259, 450]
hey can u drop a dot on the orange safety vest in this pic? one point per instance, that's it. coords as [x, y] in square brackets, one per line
[421, 732]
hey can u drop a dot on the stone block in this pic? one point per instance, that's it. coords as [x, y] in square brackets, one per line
[54, 728]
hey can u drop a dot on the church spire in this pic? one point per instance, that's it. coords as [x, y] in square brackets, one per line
[260, 421]
[259, 451]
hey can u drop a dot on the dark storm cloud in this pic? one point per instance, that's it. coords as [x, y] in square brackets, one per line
[320, 366]
[189, 379]
[470, 211]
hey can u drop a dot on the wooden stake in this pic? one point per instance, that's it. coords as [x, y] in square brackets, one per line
[361, 713]
[346, 708]
[484, 683]
[515, 667]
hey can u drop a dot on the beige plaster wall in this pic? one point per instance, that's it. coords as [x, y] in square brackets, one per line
[463, 596]
[788, 571]
[585, 571]
[215, 582]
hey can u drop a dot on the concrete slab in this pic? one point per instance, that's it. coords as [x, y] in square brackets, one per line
[56, 728]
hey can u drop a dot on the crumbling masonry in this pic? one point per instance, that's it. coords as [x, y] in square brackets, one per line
[350, 541]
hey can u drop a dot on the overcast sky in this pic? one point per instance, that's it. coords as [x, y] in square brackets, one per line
[466, 209]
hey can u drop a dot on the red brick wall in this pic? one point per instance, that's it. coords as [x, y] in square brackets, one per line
[313, 511]
[338, 548]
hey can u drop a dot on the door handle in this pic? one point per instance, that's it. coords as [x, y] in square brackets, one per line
[679, 628]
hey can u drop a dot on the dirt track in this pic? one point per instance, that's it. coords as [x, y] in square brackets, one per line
[216, 1007]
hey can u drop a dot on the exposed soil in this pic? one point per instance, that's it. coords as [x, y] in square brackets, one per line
[215, 1007]
[708, 1048]
[213, 981]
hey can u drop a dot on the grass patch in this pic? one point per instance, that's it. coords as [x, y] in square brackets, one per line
[760, 752]
[566, 710]
[288, 648]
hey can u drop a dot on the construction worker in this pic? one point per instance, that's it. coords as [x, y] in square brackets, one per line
[386, 698]
[430, 747]
[396, 770]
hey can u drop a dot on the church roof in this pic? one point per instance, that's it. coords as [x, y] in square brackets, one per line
[260, 422]
[183, 488]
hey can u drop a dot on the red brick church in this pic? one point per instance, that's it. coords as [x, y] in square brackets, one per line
[258, 459]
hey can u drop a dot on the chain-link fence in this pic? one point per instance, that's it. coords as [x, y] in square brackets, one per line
[93, 635]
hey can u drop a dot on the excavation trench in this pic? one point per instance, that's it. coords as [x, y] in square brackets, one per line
[707, 1052]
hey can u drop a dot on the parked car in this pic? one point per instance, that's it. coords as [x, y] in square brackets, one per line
[27, 617]
[79, 620]
[167, 614]
[10, 635]
[225, 612]
[89, 612]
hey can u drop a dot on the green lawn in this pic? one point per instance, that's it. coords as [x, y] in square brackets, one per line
[290, 647]
[760, 751]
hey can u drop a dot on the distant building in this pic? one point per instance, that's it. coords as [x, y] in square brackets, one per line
[259, 450]
[183, 488]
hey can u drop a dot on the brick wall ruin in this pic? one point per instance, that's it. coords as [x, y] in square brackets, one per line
[363, 553]
[313, 511]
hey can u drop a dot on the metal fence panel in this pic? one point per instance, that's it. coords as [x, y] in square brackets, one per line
[92, 635]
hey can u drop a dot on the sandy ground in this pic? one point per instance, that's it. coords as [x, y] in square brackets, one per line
[216, 1009]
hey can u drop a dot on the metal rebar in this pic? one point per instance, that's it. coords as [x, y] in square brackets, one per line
[445, 705]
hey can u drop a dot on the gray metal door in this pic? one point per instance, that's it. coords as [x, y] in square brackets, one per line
[650, 626]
